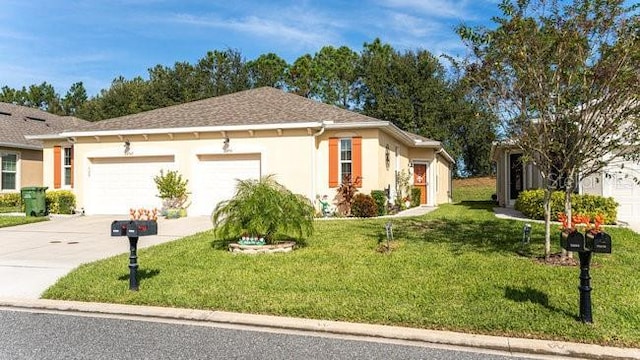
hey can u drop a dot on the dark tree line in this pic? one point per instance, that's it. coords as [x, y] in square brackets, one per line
[410, 89]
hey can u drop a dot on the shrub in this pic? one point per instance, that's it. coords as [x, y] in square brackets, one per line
[416, 193]
[530, 203]
[10, 202]
[263, 208]
[60, 202]
[380, 197]
[172, 189]
[364, 206]
[346, 191]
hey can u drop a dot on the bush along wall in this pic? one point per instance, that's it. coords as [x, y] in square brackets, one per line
[364, 206]
[10, 202]
[60, 202]
[530, 203]
[416, 194]
[380, 197]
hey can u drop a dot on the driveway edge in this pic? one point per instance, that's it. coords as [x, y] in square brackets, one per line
[508, 344]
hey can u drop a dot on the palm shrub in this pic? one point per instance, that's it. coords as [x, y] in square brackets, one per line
[263, 208]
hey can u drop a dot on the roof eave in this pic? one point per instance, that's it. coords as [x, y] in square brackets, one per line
[20, 146]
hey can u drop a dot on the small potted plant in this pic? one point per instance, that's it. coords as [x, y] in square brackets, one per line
[172, 189]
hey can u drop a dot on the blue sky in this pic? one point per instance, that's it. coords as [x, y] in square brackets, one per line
[63, 42]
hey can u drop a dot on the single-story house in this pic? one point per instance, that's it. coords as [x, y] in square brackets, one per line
[21, 157]
[616, 181]
[309, 146]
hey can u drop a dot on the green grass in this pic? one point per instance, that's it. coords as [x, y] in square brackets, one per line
[19, 220]
[456, 268]
[470, 193]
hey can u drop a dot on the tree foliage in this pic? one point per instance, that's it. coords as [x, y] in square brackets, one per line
[409, 89]
[565, 79]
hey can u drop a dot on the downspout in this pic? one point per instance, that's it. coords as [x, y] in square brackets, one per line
[314, 161]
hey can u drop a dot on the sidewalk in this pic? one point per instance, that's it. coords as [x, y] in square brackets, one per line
[320, 327]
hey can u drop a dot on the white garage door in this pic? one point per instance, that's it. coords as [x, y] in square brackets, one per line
[117, 184]
[214, 179]
[625, 190]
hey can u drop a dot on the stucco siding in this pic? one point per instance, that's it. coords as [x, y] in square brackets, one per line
[31, 168]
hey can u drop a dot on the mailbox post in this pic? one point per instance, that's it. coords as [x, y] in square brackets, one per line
[133, 229]
[585, 245]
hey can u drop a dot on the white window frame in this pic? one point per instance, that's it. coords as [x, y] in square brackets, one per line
[341, 162]
[17, 172]
[63, 154]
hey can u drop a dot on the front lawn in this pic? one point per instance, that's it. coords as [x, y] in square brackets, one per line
[19, 220]
[456, 268]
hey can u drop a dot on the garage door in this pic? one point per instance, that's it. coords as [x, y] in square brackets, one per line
[116, 184]
[214, 179]
[625, 190]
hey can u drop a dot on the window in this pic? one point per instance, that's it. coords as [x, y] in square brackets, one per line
[9, 171]
[66, 166]
[345, 159]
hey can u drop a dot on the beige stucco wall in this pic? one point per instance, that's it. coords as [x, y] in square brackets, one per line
[287, 155]
[444, 181]
[299, 157]
[29, 169]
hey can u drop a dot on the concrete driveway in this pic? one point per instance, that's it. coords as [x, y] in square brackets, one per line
[34, 256]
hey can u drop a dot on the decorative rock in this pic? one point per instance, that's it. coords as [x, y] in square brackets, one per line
[283, 247]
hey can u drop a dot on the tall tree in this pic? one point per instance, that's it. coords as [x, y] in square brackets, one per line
[336, 69]
[267, 70]
[75, 97]
[565, 79]
[302, 78]
[222, 72]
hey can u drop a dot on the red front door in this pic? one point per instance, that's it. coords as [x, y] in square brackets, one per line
[420, 180]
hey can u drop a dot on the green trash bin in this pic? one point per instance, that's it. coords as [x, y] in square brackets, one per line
[34, 200]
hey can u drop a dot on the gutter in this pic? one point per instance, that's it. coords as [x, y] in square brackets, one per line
[314, 161]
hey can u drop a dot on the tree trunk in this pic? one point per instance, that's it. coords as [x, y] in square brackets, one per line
[547, 224]
[568, 190]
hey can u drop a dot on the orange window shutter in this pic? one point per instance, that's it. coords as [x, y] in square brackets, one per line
[71, 166]
[57, 167]
[333, 162]
[356, 149]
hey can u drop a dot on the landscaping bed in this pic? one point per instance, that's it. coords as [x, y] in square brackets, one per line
[458, 268]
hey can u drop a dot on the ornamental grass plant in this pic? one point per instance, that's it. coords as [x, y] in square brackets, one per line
[266, 209]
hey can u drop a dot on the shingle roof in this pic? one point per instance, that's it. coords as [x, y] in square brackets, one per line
[17, 121]
[259, 106]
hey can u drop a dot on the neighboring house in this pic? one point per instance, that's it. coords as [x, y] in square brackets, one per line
[309, 146]
[22, 158]
[616, 181]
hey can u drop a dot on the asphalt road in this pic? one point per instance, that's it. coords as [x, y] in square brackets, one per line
[38, 335]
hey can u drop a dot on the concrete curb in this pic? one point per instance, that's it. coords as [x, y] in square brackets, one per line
[508, 344]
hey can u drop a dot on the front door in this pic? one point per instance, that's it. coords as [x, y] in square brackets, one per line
[420, 180]
[516, 176]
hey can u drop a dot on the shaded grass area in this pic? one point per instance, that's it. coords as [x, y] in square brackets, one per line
[457, 268]
[6, 221]
[473, 189]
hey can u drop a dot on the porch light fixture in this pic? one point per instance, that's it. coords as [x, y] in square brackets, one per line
[127, 148]
[387, 159]
[226, 147]
[410, 164]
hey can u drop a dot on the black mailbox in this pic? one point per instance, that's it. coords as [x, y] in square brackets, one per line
[599, 242]
[573, 241]
[134, 228]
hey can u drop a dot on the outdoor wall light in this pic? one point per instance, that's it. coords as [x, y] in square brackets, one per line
[387, 158]
[226, 147]
[127, 147]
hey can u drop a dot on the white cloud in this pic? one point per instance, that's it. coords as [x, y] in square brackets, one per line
[435, 8]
